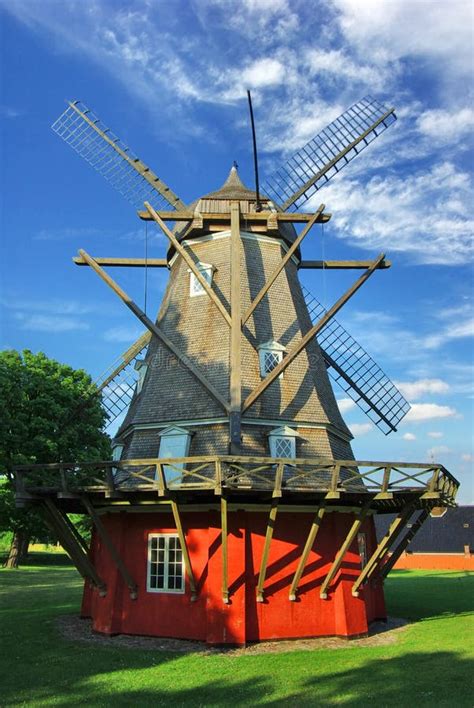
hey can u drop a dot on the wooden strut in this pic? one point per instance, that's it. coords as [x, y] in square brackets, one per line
[235, 428]
[184, 548]
[249, 217]
[315, 526]
[154, 329]
[407, 539]
[337, 265]
[125, 262]
[266, 548]
[73, 548]
[104, 534]
[142, 341]
[276, 272]
[275, 373]
[323, 594]
[189, 262]
[225, 562]
[393, 532]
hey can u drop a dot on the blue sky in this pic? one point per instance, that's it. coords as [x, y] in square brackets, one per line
[170, 78]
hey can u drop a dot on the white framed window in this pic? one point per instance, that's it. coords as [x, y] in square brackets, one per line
[174, 442]
[282, 442]
[141, 366]
[195, 287]
[165, 567]
[117, 449]
[270, 354]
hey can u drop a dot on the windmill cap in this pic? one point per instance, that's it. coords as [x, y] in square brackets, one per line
[233, 188]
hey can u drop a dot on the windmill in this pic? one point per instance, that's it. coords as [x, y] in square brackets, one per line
[233, 508]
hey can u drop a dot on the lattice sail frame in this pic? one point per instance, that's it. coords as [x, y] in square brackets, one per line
[354, 370]
[85, 133]
[311, 167]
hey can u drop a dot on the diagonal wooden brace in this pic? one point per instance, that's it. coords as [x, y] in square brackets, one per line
[266, 548]
[275, 373]
[154, 329]
[393, 532]
[359, 520]
[282, 264]
[189, 262]
[184, 549]
[406, 540]
[315, 526]
[104, 534]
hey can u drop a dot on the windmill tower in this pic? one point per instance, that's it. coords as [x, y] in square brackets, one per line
[233, 509]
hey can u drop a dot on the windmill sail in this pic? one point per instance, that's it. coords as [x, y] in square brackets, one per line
[117, 384]
[91, 139]
[327, 153]
[354, 370]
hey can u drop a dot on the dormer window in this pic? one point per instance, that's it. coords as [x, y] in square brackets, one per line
[270, 355]
[282, 442]
[141, 366]
[174, 442]
[195, 287]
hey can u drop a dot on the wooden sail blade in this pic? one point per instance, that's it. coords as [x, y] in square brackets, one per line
[85, 133]
[354, 370]
[327, 153]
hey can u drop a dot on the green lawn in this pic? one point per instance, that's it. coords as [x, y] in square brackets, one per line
[430, 664]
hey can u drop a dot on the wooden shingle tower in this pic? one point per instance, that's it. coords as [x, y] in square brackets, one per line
[233, 509]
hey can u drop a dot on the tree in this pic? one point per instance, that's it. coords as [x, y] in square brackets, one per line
[49, 413]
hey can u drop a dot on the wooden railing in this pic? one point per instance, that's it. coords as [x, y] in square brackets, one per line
[228, 473]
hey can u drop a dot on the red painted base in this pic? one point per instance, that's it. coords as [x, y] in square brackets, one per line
[243, 619]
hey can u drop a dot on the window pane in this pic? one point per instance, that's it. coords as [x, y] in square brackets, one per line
[283, 447]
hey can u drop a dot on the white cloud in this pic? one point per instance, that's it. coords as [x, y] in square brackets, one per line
[360, 428]
[412, 390]
[435, 435]
[50, 323]
[345, 404]
[428, 411]
[467, 457]
[409, 436]
[458, 330]
[444, 126]
[435, 452]
[122, 334]
[423, 214]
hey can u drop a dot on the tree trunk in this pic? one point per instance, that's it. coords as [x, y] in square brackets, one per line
[19, 545]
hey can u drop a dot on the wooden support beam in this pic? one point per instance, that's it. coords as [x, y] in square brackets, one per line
[315, 526]
[109, 544]
[266, 548]
[225, 560]
[264, 383]
[235, 427]
[341, 265]
[82, 541]
[407, 539]
[125, 262]
[184, 549]
[359, 520]
[276, 272]
[249, 217]
[154, 329]
[189, 262]
[393, 532]
[71, 545]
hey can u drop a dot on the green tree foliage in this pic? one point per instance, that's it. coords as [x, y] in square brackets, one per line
[49, 413]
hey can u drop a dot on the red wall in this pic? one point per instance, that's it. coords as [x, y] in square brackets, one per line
[243, 619]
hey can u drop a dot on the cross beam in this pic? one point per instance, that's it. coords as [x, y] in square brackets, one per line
[154, 329]
[249, 217]
[263, 385]
[340, 265]
[276, 272]
[125, 262]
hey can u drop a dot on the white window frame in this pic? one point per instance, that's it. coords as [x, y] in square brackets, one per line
[284, 433]
[274, 348]
[142, 367]
[117, 450]
[165, 590]
[178, 436]
[195, 287]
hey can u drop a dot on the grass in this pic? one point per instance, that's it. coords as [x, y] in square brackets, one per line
[430, 664]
